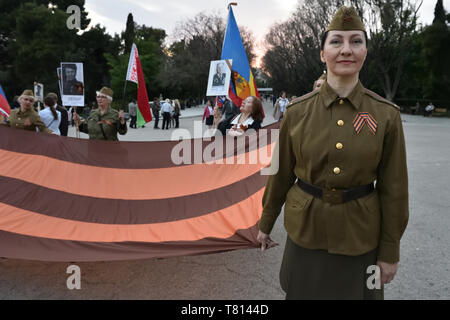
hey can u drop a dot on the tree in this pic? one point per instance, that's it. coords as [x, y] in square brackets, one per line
[37, 49]
[149, 42]
[129, 34]
[34, 39]
[391, 41]
[200, 40]
[293, 55]
[92, 46]
[440, 16]
[292, 58]
[436, 50]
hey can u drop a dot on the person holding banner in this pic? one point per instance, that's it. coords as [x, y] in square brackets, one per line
[25, 117]
[104, 123]
[342, 179]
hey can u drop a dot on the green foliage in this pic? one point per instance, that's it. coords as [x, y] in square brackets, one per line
[34, 40]
[440, 16]
[95, 43]
[186, 68]
[149, 43]
[436, 50]
[37, 49]
[129, 33]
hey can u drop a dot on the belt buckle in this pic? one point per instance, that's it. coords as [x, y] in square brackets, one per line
[333, 196]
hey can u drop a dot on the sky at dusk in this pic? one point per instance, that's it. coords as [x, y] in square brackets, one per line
[257, 15]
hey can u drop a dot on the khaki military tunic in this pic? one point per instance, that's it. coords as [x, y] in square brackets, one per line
[94, 129]
[320, 144]
[28, 120]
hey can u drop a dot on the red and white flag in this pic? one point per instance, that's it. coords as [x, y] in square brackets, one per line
[136, 75]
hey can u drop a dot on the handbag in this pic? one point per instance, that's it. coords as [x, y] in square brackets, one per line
[277, 111]
[209, 121]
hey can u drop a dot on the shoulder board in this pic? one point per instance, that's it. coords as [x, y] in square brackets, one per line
[381, 99]
[303, 98]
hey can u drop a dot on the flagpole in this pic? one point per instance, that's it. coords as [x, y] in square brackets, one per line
[124, 91]
[77, 126]
[231, 4]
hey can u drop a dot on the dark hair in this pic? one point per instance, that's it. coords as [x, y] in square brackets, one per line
[70, 66]
[325, 35]
[257, 112]
[49, 101]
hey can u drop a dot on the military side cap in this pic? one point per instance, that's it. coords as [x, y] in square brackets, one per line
[346, 18]
[27, 93]
[107, 92]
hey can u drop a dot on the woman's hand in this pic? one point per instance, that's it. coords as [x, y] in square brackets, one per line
[234, 133]
[76, 118]
[121, 117]
[265, 241]
[388, 271]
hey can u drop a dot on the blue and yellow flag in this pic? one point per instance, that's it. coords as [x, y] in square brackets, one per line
[242, 83]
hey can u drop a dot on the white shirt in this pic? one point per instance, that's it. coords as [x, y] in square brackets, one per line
[49, 121]
[247, 122]
[166, 107]
[283, 104]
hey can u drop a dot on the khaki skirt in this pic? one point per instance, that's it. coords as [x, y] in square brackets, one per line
[319, 275]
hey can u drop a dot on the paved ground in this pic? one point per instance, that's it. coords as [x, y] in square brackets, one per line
[189, 118]
[249, 274]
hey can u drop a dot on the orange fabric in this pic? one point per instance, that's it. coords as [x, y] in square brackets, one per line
[219, 224]
[129, 184]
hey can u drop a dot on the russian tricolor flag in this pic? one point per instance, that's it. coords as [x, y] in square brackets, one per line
[5, 110]
[220, 100]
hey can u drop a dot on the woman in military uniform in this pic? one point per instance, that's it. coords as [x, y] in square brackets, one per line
[334, 144]
[25, 117]
[104, 122]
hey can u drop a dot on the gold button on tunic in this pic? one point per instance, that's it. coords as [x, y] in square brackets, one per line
[310, 146]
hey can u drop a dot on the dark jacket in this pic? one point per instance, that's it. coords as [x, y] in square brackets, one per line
[64, 125]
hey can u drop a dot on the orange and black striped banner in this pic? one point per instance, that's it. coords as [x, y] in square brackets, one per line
[66, 199]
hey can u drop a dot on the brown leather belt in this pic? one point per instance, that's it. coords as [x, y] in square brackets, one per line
[336, 196]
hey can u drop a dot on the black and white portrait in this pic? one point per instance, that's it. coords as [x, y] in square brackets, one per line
[71, 85]
[219, 78]
[39, 91]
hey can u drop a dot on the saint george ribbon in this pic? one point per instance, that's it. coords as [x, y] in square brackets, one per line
[365, 118]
